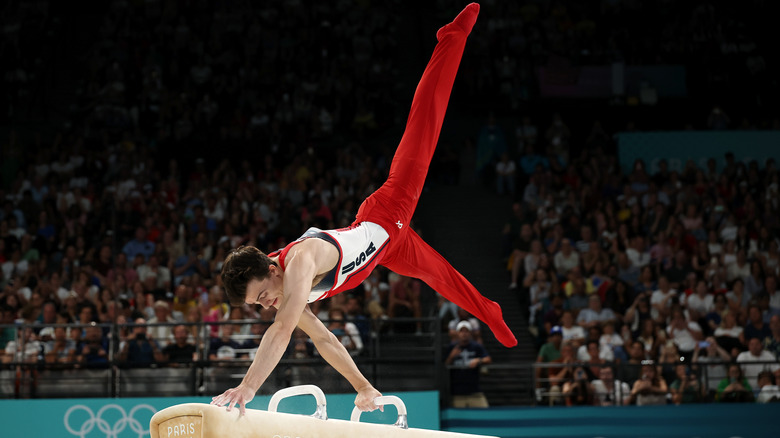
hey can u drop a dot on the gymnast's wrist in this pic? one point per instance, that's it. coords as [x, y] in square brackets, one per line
[364, 387]
[250, 383]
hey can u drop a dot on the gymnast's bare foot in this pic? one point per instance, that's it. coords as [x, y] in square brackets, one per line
[465, 21]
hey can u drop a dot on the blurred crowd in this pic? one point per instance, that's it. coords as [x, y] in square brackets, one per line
[109, 222]
[674, 269]
[726, 48]
[202, 126]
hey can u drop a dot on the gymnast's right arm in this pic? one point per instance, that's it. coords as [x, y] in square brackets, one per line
[331, 349]
[301, 268]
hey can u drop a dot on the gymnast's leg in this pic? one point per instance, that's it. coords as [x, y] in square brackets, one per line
[413, 257]
[394, 202]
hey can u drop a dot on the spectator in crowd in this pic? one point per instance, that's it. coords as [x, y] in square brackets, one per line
[578, 390]
[539, 293]
[463, 315]
[756, 353]
[618, 298]
[523, 245]
[122, 269]
[549, 352]
[738, 299]
[183, 302]
[48, 314]
[595, 314]
[300, 349]
[139, 349]
[755, 283]
[225, 347]
[553, 315]
[161, 274]
[258, 329]
[377, 290]
[566, 259]
[772, 343]
[699, 303]
[608, 391]
[684, 333]
[719, 310]
[650, 388]
[215, 310]
[770, 288]
[353, 312]
[740, 268]
[560, 371]
[627, 271]
[505, 175]
[578, 300]
[347, 332]
[60, 350]
[162, 334]
[768, 391]
[140, 245]
[668, 358]
[594, 356]
[466, 357]
[630, 370]
[734, 388]
[533, 259]
[639, 313]
[92, 351]
[652, 337]
[638, 253]
[687, 387]
[681, 267]
[755, 326]
[611, 341]
[572, 333]
[404, 302]
[712, 359]
[26, 349]
[661, 300]
[730, 336]
[181, 350]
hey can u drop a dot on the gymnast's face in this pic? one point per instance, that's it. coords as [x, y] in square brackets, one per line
[268, 291]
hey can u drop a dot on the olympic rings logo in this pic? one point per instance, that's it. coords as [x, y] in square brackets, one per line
[103, 425]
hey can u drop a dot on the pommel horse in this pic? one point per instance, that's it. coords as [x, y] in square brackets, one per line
[200, 420]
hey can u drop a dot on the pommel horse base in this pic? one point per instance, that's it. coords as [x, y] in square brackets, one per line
[200, 420]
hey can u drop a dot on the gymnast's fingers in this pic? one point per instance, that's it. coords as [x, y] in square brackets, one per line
[220, 399]
[367, 406]
[242, 406]
[231, 404]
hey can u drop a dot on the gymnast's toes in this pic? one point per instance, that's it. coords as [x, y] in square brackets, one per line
[463, 22]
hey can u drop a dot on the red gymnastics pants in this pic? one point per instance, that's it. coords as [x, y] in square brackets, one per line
[393, 204]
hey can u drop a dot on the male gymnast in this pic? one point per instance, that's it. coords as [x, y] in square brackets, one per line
[323, 263]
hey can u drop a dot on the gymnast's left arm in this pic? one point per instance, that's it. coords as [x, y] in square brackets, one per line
[331, 349]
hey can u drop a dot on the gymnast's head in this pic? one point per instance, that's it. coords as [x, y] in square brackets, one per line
[241, 266]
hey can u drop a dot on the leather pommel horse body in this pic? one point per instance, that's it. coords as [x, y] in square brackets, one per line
[200, 420]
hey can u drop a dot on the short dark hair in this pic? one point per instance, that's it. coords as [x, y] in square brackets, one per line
[767, 374]
[241, 266]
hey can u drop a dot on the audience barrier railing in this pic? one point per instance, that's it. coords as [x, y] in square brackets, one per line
[27, 371]
[708, 376]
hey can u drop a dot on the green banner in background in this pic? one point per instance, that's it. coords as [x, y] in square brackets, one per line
[129, 417]
[677, 147]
